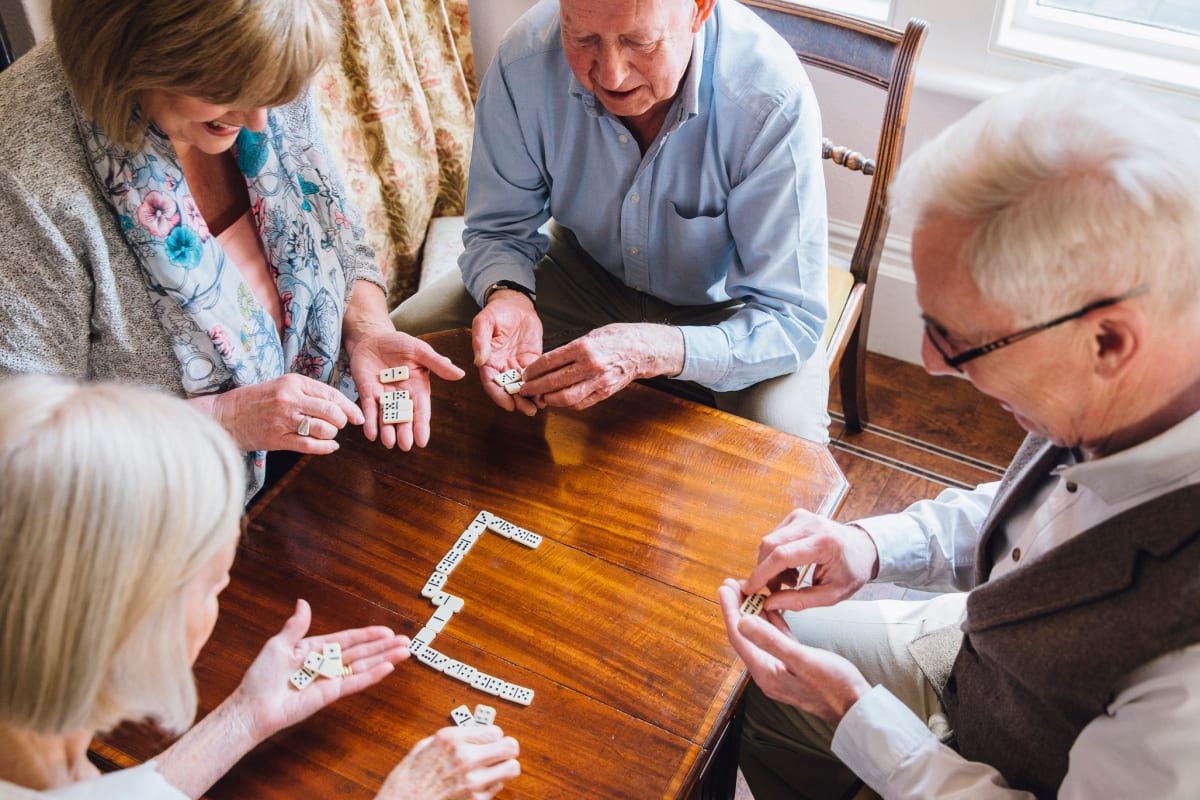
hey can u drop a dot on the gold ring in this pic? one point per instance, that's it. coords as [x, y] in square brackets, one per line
[347, 670]
[305, 423]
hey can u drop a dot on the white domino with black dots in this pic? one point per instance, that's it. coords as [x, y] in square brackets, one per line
[393, 374]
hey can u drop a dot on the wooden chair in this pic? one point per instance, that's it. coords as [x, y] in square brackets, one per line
[882, 57]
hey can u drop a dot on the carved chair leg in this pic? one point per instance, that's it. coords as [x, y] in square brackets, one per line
[852, 379]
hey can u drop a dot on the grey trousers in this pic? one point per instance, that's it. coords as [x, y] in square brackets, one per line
[785, 753]
[576, 295]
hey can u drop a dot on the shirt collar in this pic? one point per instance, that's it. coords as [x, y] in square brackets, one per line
[1169, 459]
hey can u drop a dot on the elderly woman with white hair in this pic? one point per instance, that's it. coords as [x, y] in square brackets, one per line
[119, 520]
[169, 216]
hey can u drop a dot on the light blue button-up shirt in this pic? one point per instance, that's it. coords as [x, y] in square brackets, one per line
[727, 203]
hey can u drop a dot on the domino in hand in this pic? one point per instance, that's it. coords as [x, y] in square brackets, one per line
[393, 374]
[753, 605]
[399, 412]
[331, 664]
[301, 678]
[510, 376]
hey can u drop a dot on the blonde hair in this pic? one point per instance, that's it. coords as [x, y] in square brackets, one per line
[1080, 190]
[112, 499]
[241, 53]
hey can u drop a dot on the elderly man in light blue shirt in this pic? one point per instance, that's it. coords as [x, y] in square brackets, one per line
[673, 146]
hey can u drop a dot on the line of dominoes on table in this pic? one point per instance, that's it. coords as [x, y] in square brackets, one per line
[447, 605]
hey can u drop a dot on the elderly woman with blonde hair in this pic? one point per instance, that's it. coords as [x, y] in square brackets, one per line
[119, 519]
[169, 216]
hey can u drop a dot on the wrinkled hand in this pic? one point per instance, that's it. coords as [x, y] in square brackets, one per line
[265, 416]
[808, 678]
[603, 362]
[468, 763]
[391, 348]
[506, 334]
[266, 702]
[843, 558]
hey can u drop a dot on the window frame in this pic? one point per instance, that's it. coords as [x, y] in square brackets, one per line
[1156, 57]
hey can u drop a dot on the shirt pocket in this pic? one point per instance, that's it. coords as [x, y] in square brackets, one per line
[700, 240]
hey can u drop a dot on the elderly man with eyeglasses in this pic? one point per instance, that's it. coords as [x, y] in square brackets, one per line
[1057, 258]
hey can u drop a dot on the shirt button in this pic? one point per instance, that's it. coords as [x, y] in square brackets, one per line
[623, 139]
[635, 198]
[1072, 487]
[1016, 554]
[633, 251]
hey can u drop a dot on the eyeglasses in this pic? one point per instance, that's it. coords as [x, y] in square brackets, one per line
[938, 336]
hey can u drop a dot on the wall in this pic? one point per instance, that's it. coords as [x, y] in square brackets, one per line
[851, 114]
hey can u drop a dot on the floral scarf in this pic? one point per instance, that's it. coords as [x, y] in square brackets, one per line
[222, 335]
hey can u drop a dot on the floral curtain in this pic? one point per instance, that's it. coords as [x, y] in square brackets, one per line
[398, 114]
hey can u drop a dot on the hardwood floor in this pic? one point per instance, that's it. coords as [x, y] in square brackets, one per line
[926, 434]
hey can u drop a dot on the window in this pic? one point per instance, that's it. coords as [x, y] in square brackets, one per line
[1156, 41]
[1167, 15]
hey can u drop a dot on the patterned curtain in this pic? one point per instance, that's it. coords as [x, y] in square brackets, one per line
[398, 113]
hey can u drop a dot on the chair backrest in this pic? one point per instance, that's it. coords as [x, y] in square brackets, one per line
[884, 58]
[873, 54]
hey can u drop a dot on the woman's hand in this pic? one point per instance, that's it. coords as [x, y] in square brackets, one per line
[390, 348]
[267, 702]
[468, 763]
[267, 416]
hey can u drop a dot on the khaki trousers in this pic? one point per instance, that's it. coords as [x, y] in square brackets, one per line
[576, 295]
[785, 753]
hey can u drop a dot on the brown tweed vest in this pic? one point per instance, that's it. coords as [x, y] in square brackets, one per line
[1044, 646]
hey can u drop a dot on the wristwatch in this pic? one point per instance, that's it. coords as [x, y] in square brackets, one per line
[516, 287]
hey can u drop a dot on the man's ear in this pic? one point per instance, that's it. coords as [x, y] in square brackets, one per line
[703, 9]
[1117, 337]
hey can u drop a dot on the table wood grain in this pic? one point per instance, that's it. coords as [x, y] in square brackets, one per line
[645, 503]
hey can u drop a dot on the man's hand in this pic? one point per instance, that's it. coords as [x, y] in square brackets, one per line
[506, 334]
[844, 558]
[390, 348]
[808, 678]
[603, 362]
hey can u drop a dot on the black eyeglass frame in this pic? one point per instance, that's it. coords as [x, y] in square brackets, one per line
[934, 332]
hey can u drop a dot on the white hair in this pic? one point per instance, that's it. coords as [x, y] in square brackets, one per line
[1079, 191]
[112, 499]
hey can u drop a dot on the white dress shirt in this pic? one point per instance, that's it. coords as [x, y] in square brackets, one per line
[1145, 746]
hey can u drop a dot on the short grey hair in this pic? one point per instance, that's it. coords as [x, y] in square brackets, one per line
[1079, 190]
[113, 498]
[242, 53]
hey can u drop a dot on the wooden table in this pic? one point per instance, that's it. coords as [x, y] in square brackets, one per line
[645, 503]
